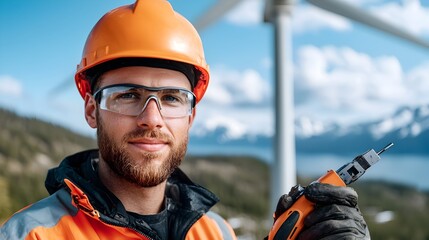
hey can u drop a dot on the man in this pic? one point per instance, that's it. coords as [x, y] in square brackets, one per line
[142, 73]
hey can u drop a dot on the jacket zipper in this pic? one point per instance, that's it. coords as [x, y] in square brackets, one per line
[93, 213]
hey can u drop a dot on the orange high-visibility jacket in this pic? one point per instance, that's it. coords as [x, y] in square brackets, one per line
[79, 207]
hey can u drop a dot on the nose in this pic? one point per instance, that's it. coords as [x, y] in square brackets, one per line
[151, 117]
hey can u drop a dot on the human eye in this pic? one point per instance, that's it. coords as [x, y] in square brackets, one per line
[172, 97]
[129, 95]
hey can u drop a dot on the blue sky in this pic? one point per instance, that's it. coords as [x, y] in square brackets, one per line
[343, 71]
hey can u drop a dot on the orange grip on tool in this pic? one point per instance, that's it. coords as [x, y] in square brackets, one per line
[291, 222]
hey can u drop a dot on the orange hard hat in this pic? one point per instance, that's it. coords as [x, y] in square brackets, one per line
[148, 29]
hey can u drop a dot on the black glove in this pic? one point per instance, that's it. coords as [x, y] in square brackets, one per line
[335, 216]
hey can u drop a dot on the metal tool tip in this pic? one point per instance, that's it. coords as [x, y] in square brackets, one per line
[385, 148]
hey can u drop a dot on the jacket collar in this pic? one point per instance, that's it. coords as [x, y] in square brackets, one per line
[80, 170]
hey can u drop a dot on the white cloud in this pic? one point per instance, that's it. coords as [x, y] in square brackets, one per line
[331, 84]
[342, 84]
[307, 18]
[10, 86]
[418, 80]
[231, 87]
[238, 121]
[236, 129]
[249, 12]
[238, 101]
[409, 14]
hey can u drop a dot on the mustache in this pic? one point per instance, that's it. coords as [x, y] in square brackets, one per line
[144, 133]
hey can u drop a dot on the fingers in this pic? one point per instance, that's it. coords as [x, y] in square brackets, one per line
[333, 212]
[334, 222]
[335, 229]
[284, 203]
[323, 194]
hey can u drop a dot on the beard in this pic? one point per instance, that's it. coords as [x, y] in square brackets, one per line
[140, 171]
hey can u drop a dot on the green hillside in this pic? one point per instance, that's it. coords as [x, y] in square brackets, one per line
[29, 147]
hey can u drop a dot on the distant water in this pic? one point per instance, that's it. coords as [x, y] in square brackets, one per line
[405, 169]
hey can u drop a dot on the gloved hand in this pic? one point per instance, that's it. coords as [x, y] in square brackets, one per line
[335, 216]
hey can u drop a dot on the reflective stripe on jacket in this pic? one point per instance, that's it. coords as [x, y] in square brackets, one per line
[70, 212]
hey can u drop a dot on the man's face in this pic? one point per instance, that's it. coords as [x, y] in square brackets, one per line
[147, 148]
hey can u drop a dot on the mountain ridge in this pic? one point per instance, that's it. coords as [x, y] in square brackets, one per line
[408, 128]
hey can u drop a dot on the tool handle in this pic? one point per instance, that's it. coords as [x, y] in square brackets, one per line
[291, 222]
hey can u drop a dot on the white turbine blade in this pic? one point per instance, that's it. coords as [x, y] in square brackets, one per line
[347, 10]
[61, 87]
[215, 13]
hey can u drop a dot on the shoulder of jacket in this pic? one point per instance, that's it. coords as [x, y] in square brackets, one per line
[211, 226]
[44, 213]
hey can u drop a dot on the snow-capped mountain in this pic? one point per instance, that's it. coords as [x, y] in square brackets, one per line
[408, 129]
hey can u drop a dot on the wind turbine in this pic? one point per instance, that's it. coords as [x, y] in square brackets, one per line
[278, 13]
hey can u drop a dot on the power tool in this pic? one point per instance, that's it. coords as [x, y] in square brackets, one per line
[290, 223]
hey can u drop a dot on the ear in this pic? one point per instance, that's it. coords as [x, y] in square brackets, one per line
[90, 111]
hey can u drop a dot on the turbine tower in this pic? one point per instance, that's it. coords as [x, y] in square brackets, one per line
[278, 13]
[283, 169]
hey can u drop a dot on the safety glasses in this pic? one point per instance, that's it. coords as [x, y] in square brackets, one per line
[132, 99]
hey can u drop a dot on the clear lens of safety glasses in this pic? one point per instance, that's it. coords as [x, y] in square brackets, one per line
[131, 99]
